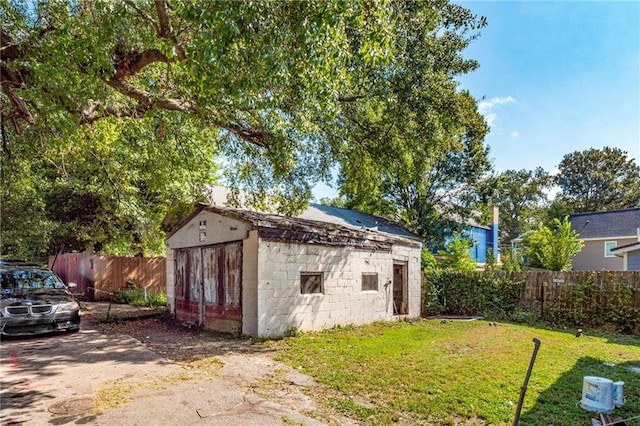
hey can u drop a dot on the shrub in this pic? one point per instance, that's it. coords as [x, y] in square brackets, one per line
[428, 260]
[594, 306]
[136, 297]
[456, 255]
[512, 260]
[454, 292]
[497, 296]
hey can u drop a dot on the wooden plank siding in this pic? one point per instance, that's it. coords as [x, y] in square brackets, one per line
[99, 277]
[208, 286]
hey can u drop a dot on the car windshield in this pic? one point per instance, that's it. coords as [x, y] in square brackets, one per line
[26, 281]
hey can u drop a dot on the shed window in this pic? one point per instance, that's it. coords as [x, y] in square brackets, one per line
[370, 281]
[310, 282]
[608, 246]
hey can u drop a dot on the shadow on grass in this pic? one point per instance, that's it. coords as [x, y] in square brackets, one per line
[559, 405]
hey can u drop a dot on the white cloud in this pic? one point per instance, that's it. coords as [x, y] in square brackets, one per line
[515, 134]
[486, 108]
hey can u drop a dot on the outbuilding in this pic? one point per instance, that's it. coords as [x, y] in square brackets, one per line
[265, 275]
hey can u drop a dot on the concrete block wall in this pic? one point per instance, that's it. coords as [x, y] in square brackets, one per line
[250, 284]
[281, 306]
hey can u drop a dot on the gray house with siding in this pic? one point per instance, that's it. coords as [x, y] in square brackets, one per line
[611, 240]
[263, 274]
[630, 255]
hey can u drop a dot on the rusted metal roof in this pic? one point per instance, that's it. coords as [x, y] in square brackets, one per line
[295, 229]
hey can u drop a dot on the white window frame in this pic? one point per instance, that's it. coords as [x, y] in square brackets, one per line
[607, 251]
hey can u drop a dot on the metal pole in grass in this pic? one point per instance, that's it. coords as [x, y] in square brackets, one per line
[536, 342]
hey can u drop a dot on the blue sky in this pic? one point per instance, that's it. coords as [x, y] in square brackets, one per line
[554, 78]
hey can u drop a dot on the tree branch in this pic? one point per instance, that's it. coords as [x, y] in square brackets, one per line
[252, 135]
[5, 140]
[143, 15]
[93, 113]
[133, 63]
[166, 30]
[147, 99]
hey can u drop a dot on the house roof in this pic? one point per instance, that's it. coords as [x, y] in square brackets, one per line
[220, 196]
[354, 219]
[296, 229]
[619, 251]
[609, 224]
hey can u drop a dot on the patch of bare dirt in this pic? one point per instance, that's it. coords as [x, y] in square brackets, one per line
[172, 340]
[244, 363]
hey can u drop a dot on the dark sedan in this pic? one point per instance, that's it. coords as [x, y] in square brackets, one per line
[34, 300]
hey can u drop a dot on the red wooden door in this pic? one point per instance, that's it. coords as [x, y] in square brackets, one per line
[208, 286]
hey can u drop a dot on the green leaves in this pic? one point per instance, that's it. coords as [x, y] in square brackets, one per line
[599, 180]
[552, 248]
[521, 198]
[141, 101]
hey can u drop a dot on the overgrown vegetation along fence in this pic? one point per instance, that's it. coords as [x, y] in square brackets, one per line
[99, 277]
[600, 299]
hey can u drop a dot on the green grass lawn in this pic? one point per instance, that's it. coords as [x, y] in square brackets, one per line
[428, 372]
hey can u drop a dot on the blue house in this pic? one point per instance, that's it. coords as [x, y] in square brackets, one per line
[483, 238]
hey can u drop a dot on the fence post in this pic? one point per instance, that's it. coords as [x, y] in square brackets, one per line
[541, 297]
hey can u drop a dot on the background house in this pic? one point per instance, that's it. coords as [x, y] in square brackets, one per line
[630, 255]
[264, 274]
[484, 239]
[609, 239]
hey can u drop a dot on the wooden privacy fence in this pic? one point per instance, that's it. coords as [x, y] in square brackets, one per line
[545, 288]
[98, 277]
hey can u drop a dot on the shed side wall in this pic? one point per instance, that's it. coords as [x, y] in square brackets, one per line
[281, 306]
[250, 284]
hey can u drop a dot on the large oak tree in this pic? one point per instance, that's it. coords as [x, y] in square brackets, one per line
[522, 200]
[598, 180]
[124, 104]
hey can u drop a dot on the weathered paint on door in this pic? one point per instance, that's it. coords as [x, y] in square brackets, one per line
[399, 289]
[209, 286]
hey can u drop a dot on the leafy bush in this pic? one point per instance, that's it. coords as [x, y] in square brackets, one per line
[471, 293]
[456, 255]
[497, 296]
[136, 297]
[428, 260]
[552, 248]
[594, 306]
[512, 260]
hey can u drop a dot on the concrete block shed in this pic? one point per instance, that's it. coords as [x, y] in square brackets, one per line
[262, 274]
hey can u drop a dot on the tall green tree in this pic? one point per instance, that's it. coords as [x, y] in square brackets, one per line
[521, 197]
[111, 191]
[414, 149]
[552, 248]
[280, 91]
[598, 180]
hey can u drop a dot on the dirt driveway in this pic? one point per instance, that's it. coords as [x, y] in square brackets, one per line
[150, 371]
